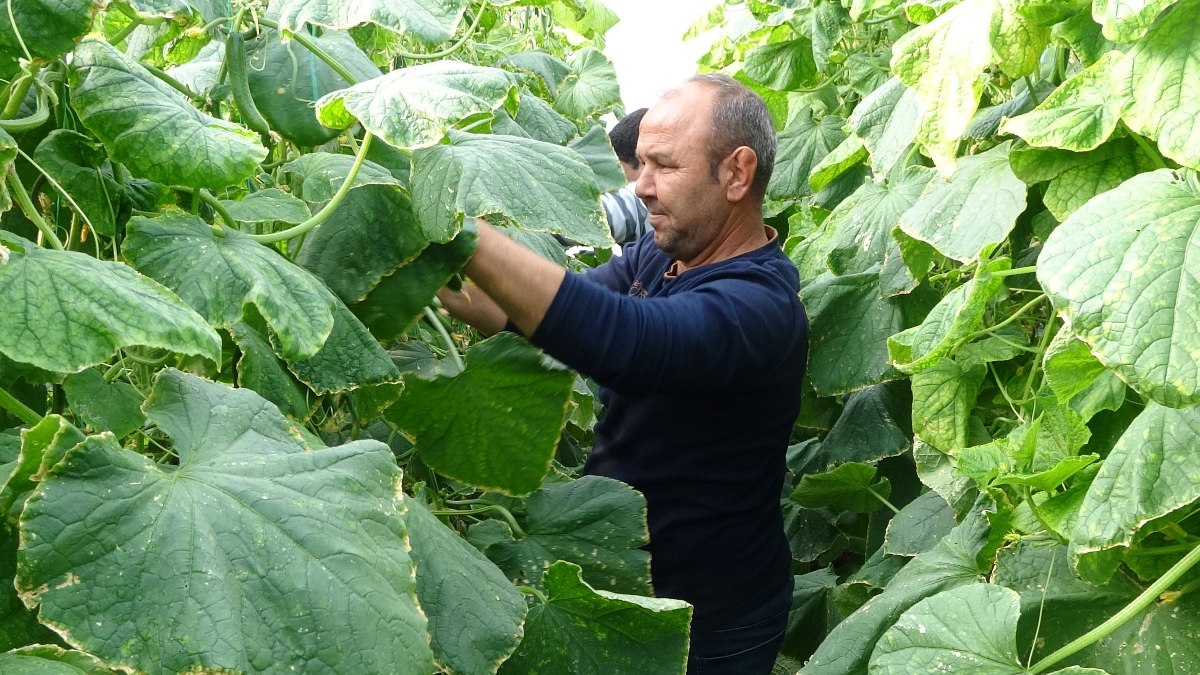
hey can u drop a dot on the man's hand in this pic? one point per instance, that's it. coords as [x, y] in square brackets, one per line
[510, 282]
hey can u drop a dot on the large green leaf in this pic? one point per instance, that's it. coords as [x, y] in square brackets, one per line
[219, 276]
[1080, 115]
[537, 120]
[943, 399]
[349, 359]
[875, 423]
[1164, 100]
[850, 325]
[152, 129]
[104, 406]
[257, 550]
[590, 88]
[77, 164]
[1096, 172]
[1058, 607]
[862, 224]
[429, 21]
[600, 633]
[77, 310]
[1120, 270]
[1127, 20]
[476, 617]
[595, 522]
[943, 62]
[974, 208]
[285, 78]
[51, 660]
[496, 424]
[42, 447]
[1078, 378]
[371, 234]
[950, 323]
[414, 107]
[886, 120]
[539, 186]
[968, 629]
[1150, 473]
[848, 487]
[261, 370]
[266, 206]
[919, 526]
[46, 28]
[803, 143]
[948, 565]
[782, 66]
[316, 176]
[18, 625]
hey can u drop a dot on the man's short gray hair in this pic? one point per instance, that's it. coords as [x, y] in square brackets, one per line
[739, 117]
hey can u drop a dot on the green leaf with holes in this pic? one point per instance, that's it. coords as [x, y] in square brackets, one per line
[413, 107]
[1164, 102]
[595, 522]
[78, 310]
[1129, 292]
[252, 522]
[476, 616]
[538, 186]
[430, 21]
[973, 209]
[590, 88]
[496, 424]
[152, 129]
[598, 632]
[220, 275]
[1079, 115]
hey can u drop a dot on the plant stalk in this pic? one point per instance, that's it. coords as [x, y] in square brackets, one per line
[451, 348]
[504, 513]
[883, 500]
[18, 190]
[14, 406]
[217, 206]
[17, 96]
[322, 215]
[1128, 612]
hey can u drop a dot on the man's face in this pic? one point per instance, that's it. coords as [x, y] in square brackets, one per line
[687, 206]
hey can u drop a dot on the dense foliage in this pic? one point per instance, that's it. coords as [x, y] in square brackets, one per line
[993, 204]
[239, 438]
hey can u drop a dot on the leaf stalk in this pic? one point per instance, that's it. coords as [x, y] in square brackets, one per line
[18, 190]
[322, 215]
[14, 406]
[432, 317]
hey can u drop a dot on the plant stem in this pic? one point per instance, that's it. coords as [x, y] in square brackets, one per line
[1011, 318]
[14, 406]
[174, 83]
[322, 215]
[1042, 606]
[1147, 148]
[61, 190]
[18, 190]
[884, 501]
[530, 590]
[313, 47]
[1032, 91]
[1016, 271]
[17, 96]
[452, 48]
[1047, 335]
[487, 508]
[217, 206]
[1128, 612]
[451, 348]
[134, 22]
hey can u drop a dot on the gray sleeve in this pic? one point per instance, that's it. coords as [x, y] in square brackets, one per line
[627, 216]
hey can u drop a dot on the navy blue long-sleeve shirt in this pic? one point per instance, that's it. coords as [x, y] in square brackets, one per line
[700, 374]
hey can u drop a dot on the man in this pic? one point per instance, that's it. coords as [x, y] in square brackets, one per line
[627, 217]
[698, 340]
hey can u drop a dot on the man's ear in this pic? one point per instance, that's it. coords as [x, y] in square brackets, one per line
[741, 166]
